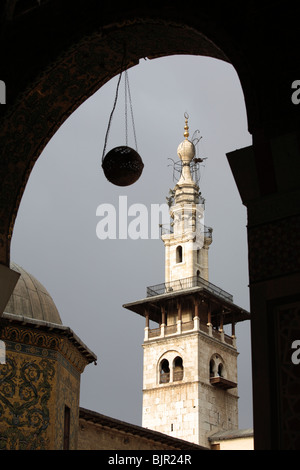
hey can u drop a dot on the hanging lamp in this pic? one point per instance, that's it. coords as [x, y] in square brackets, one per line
[122, 165]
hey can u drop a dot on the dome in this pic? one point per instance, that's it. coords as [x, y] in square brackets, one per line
[30, 299]
[186, 151]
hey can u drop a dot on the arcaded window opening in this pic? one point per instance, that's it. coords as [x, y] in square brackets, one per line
[220, 370]
[179, 254]
[177, 369]
[216, 366]
[164, 372]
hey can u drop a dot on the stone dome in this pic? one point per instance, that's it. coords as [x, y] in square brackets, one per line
[186, 151]
[30, 299]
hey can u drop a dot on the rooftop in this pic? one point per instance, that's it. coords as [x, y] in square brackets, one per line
[189, 289]
[31, 299]
[108, 422]
[232, 434]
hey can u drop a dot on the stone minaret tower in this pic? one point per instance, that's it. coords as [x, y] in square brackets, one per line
[190, 364]
[186, 253]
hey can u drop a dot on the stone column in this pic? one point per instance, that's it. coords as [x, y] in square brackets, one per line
[233, 334]
[209, 324]
[146, 335]
[179, 319]
[163, 322]
[221, 329]
[196, 315]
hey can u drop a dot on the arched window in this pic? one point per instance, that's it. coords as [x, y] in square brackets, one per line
[217, 367]
[179, 254]
[218, 374]
[177, 369]
[164, 372]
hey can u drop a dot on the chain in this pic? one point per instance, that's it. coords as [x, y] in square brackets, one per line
[127, 96]
[111, 115]
[126, 118]
[131, 109]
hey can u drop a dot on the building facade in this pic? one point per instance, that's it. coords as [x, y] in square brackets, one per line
[40, 369]
[41, 362]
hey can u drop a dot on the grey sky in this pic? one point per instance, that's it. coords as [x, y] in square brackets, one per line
[89, 279]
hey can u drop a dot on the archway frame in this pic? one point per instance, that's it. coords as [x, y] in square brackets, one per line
[65, 83]
[58, 55]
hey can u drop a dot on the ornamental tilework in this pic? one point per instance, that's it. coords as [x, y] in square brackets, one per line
[36, 383]
[25, 391]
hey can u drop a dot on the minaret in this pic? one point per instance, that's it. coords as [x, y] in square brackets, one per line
[190, 364]
[186, 246]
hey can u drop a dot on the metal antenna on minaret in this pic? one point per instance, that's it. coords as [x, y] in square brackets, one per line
[177, 167]
[195, 163]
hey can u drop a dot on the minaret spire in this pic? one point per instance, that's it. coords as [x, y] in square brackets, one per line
[190, 364]
[189, 240]
[186, 127]
[186, 190]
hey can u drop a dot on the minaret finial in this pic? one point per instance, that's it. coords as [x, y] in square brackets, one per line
[186, 127]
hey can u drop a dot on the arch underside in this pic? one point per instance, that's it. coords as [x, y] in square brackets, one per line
[58, 56]
[39, 111]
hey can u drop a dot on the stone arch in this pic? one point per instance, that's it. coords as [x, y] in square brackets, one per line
[164, 371]
[179, 254]
[72, 74]
[169, 363]
[29, 44]
[178, 369]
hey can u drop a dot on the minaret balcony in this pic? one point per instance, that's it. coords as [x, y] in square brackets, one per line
[168, 229]
[187, 327]
[221, 382]
[187, 283]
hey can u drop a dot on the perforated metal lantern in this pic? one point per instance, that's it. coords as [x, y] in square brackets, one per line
[122, 166]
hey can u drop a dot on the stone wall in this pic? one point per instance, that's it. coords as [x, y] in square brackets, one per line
[38, 380]
[192, 408]
[93, 436]
[99, 432]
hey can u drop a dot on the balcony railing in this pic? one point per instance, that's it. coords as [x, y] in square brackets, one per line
[171, 330]
[187, 283]
[169, 229]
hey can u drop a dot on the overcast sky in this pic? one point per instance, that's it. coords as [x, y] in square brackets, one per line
[90, 279]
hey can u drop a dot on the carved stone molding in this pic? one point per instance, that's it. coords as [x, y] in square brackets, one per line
[41, 342]
[286, 319]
